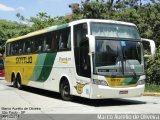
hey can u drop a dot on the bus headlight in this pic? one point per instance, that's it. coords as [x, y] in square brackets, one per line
[100, 82]
[141, 82]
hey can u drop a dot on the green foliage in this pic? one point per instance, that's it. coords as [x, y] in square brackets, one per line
[42, 20]
[93, 9]
[152, 87]
[10, 29]
[153, 68]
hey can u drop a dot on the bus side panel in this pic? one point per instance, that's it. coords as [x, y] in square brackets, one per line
[62, 67]
[8, 68]
[42, 69]
[24, 65]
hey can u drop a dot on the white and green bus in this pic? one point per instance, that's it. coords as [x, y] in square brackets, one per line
[89, 58]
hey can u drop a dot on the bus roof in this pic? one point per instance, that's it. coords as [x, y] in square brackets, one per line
[103, 21]
[57, 27]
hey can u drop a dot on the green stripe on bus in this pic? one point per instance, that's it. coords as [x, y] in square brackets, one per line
[53, 28]
[47, 67]
[43, 67]
[38, 67]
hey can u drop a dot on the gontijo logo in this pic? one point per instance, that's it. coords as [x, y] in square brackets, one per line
[27, 60]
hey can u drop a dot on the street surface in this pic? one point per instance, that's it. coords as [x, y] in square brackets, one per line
[31, 100]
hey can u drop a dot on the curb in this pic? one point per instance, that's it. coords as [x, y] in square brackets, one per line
[151, 94]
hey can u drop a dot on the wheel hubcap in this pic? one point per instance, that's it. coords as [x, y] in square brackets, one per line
[66, 91]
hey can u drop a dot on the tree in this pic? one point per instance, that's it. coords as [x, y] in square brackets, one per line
[153, 68]
[42, 20]
[10, 29]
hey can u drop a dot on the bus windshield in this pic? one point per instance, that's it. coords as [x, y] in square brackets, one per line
[116, 57]
[114, 30]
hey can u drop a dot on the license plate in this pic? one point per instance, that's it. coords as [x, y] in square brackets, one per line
[123, 92]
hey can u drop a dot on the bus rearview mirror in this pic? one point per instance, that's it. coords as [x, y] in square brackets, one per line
[91, 39]
[151, 46]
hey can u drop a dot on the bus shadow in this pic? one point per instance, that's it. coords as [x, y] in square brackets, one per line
[41, 92]
[84, 101]
[107, 102]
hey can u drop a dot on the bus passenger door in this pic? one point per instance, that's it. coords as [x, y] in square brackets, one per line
[85, 68]
[82, 60]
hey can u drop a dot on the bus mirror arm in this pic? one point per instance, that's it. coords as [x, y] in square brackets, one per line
[91, 39]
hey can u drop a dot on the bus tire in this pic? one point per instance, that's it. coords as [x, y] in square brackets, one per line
[13, 81]
[65, 90]
[19, 85]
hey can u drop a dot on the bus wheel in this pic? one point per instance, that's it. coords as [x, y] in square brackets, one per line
[14, 82]
[19, 85]
[65, 90]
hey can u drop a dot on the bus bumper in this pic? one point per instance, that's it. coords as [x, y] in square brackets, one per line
[102, 92]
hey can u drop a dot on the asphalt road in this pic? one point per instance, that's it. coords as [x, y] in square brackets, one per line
[37, 101]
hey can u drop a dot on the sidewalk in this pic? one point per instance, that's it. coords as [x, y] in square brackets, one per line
[151, 94]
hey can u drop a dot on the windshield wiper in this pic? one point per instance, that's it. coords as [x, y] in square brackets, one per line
[133, 71]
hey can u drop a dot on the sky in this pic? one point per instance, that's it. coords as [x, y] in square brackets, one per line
[28, 8]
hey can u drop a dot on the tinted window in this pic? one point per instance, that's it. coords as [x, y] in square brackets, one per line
[48, 42]
[106, 52]
[8, 49]
[114, 30]
[81, 50]
[64, 41]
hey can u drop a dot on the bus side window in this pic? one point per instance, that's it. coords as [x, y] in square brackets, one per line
[39, 44]
[64, 39]
[20, 51]
[47, 42]
[69, 41]
[12, 49]
[24, 46]
[54, 42]
[27, 49]
[33, 46]
[16, 48]
[61, 43]
[8, 48]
